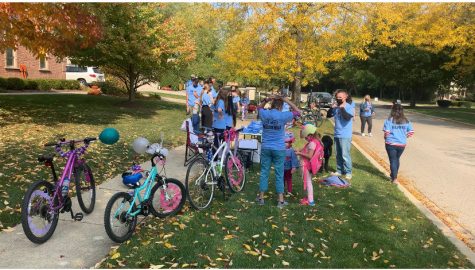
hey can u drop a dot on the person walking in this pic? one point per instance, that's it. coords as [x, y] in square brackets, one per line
[343, 112]
[273, 145]
[366, 115]
[396, 131]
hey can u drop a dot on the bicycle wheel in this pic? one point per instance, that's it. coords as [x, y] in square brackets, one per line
[85, 188]
[119, 226]
[170, 198]
[199, 184]
[235, 173]
[37, 218]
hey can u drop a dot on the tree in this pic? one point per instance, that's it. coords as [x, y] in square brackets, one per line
[139, 43]
[55, 28]
[291, 42]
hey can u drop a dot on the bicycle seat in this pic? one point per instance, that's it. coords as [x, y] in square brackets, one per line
[45, 158]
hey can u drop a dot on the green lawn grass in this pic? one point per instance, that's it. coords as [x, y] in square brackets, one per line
[370, 225]
[166, 95]
[28, 122]
[460, 114]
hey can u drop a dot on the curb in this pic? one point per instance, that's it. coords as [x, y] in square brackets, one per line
[432, 212]
[442, 118]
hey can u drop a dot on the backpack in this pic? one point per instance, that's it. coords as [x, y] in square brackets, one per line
[316, 161]
[335, 181]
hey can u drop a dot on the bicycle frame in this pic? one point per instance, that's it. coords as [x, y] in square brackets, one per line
[223, 149]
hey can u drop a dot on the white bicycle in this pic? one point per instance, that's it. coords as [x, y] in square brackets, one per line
[204, 174]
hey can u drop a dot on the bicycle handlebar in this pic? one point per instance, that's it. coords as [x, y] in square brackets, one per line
[62, 141]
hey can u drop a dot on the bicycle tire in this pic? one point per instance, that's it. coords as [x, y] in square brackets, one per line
[89, 186]
[235, 182]
[130, 223]
[198, 180]
[27, 219]
[168, 206]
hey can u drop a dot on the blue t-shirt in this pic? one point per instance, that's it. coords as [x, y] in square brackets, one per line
[245, 101]
[229, 119]
[236, 99]
[273, 124]
[191, 97]
[344, 128]
[217, 122]
[396, 134]
[213, 92]
[206, 99]
[364, 106]
[291, 160]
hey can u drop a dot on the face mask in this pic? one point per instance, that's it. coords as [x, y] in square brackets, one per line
[339, 101]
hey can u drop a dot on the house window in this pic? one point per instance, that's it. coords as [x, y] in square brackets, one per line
[43, 62]
[10, 57]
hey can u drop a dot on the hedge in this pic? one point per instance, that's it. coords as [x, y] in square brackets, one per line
[112, 88]
[38, 84]
[444, 103]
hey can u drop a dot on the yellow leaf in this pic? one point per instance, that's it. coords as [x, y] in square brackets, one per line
[252, 253]
[285, 263]
[392, 227]
[274, 226]
[153, 266]
[115, 256]
[246, 246]
[300, 249]
[355, 245]
[229, 236]
[318, 230]
[255, 236]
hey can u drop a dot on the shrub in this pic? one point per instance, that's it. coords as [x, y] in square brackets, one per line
[444, 103]
[3, 83]
[31, 85]
[112, 88]
[466, 104]
[15, 84]
[456, 103]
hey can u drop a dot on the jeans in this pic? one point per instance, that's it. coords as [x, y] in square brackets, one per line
[195, 120]
[365, 119]
[394, 153]
[267, 158]
[343, 155]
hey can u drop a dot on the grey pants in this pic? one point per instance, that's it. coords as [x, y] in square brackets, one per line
[365, 119]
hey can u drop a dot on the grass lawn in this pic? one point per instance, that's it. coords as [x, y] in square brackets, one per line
[166, 95]
[460, 114]
[28, 122]
[370, 225]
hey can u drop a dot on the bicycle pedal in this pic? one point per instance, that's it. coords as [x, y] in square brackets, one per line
[78, 216]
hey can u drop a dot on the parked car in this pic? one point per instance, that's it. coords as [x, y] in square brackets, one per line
[85, 75]
[323, 99]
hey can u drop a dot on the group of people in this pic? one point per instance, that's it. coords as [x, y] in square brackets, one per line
[213, 109]
[276, 148]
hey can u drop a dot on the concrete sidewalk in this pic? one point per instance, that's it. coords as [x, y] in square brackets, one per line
[76, 244]
[437, 167]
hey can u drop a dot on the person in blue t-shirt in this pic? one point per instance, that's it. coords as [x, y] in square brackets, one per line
[219, 117]
[212, 83]
[273, 145]
[396, 131]
[193, 104]
[343, 112]
[366, 115]
[236, 94]
[188, 85]
[206, 104]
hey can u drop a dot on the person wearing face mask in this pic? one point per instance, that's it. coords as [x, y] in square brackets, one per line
[343, 112]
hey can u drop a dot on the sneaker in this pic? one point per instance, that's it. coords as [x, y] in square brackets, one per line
[336, 174]
[281, 205]
[311, 203]
[369, 134]
[304, 201]
[348, 176]
[260, 201]
[394, 181]
[362, 134]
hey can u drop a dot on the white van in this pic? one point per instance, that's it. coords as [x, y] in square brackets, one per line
[85, 75]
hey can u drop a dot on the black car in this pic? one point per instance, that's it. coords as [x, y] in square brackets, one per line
[323, 99]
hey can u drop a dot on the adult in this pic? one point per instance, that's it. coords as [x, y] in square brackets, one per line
[206, 103]
[343, 112]
[273, 145]
[229, 108]
[193, 97]
[236, 94]
[188, 85]
[219, 117]
[212, 83]
[366, 115]
[396, 131]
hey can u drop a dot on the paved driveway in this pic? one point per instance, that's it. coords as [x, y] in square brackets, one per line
[439, 161]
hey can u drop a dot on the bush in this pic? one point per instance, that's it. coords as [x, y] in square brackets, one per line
[466, 104]
[15, 84]
[112, 88]
[444, 103]
[456, 103]
[31, 85]
[3, 83]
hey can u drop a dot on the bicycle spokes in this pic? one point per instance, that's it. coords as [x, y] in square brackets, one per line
[40, 217]
[235, 171]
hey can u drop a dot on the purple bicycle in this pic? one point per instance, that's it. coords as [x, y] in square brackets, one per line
[44, 201]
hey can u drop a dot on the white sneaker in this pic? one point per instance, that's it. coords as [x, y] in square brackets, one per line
[336, 174]
[369, 134]
[362, 134]
[348, 177]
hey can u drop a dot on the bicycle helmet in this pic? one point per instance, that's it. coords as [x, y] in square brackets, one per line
[131, 179]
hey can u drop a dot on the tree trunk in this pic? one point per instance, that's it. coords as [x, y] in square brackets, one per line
[131, 87]
[413, 98]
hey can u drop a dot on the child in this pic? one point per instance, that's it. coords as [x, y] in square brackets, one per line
[291, 162]
[312, 155]
[327, 150]
[244, 102]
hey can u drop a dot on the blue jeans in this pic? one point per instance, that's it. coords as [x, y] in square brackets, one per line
[267, 158]
[343, 155]
[394, 153]
[195, 120]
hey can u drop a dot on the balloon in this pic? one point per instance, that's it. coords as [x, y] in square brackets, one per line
[140, 145]
[109, 136]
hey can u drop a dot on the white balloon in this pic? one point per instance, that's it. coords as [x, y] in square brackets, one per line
[154, 148]
[140, 145]
[164, 152]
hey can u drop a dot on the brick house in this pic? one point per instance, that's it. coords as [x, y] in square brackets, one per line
[13, 62]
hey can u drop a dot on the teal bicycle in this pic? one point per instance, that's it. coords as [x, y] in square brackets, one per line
[162, 196]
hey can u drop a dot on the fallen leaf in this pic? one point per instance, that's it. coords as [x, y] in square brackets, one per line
[318, 230]
[115, 256]
[355, 245]
[153, 266]
[285, 263]
[246, 246]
